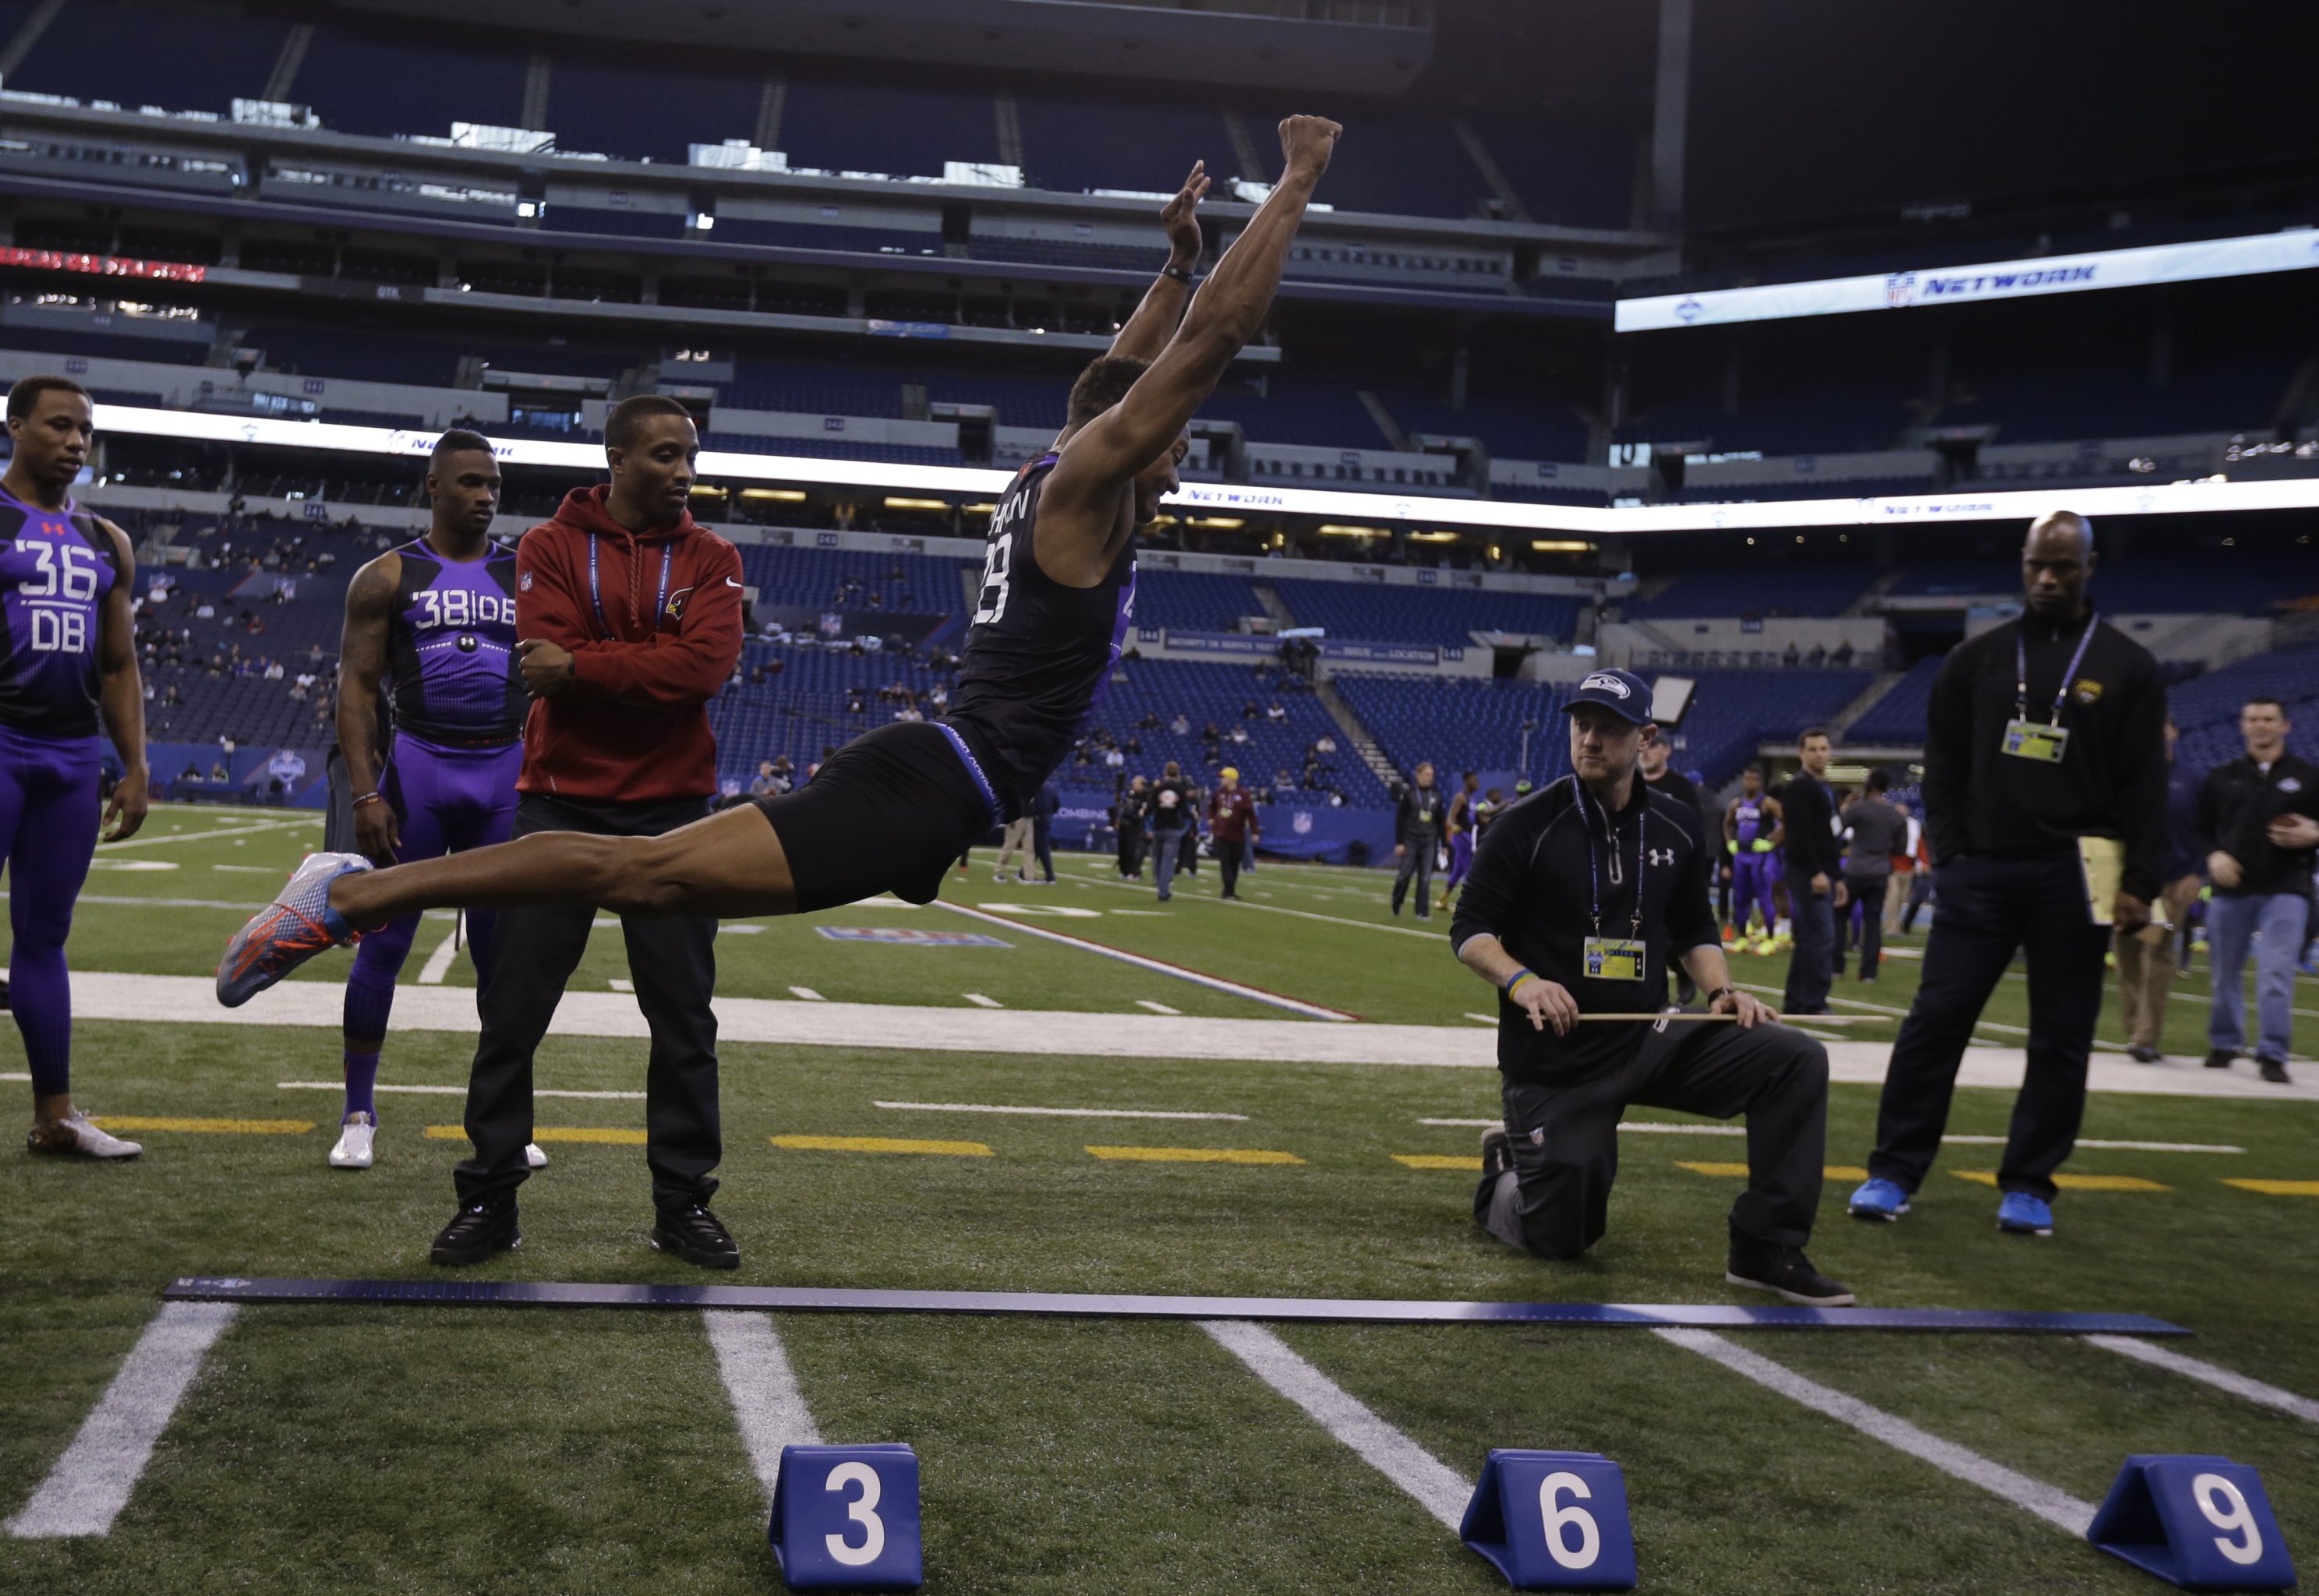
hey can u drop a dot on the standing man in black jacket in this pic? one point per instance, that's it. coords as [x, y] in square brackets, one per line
[1417, 837]
[2042, 732]
[2256, 829]
[1815, 874]
[1578, 898]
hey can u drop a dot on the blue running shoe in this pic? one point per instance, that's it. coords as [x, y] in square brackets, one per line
[1878, 1199]
[2021, 1214]
[299, 923]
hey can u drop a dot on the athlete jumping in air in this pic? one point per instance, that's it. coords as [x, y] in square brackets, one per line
[432, 623]
[67, 659]
[1752, 831]
[891, 810]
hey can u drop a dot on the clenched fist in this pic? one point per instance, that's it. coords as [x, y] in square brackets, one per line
[1306, 143]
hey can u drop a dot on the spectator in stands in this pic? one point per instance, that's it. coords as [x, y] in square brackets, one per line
[2146, 959]
[1793, 656]
[191, 776]
[1417, 830]
[218, 775]
[1181, 725]
[1276, 711]
[1546, 920]
[1814, 876]
[2258, 821]
[1876, 831]
[2045, 746]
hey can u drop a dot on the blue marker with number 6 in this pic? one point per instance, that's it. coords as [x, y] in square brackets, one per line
[1553, 1521]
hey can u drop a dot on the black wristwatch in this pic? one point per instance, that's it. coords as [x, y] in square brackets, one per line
[1719, 993]
[1181, 274]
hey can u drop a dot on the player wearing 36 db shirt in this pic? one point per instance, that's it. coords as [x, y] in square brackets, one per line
[68, 660]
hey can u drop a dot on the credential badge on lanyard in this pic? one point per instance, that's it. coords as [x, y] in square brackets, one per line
[2025, 738]
[1612, 958]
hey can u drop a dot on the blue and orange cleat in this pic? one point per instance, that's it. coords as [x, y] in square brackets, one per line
[299, 923]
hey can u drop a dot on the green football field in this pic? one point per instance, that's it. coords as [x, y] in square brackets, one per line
[434, 1449]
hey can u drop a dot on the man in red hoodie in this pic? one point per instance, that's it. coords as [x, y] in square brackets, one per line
[893, 808]
[630, 621]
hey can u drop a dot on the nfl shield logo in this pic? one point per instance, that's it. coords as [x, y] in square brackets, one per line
[1900, 289]
[1302, 824]
[524, 581]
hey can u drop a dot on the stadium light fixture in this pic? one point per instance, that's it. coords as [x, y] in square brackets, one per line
[1561, 546]
[1222, 523]
[785, 495]
[1338, 529]
[917, 504]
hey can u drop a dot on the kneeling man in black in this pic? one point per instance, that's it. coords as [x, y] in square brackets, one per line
[1578, 896]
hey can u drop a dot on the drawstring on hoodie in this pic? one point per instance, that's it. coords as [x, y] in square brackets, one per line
[596, 591]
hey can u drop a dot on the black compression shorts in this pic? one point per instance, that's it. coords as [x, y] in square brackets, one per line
[889, 812]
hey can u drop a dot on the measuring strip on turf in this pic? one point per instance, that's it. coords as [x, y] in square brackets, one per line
[332, 1085]
[2074, 1182]
[611, 1136]
[432, 1291]
[882, 1145]
[130, 1122]
[1144, 961]
[1195, 1155]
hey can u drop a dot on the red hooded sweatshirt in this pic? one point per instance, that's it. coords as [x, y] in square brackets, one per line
[654, 632]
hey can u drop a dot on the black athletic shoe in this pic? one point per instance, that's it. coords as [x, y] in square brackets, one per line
[477, 1231]
[1497, 1151]
[2220, 1059]
[1785, 1272]
[2142, 1055]
[695, 1235]
[2274, 1070]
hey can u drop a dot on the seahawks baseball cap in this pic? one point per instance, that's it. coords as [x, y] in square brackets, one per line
[1622, 692]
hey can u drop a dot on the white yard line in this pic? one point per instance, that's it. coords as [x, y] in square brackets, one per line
[1143, 961]
[767, 1404]
[806, 995]
[1268, 909]
[331, 1086]
[1437, 1488]
[2181, 1146]
[91, 1482]
[2208, 1374]
[438, 961]
[204, 836]
[1079, 1113]
[2055, 1506]
[979, 1001]
[1156, 1007]
[1236, 1043]
[16, 1074]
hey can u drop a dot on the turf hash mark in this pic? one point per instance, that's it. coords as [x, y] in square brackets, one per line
[2213, 1375]
[767, 1404]
[882, 1145]
[1472, 1165]
[1828, 1172]
[1195, 1155]
[2056, 1507]
[2074, 1182]
[90, 1483]
[1437, 1488]
[2278, 1188]
[1085, 1114]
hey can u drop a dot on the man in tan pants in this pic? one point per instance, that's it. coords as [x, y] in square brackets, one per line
[2145, 958]
[1015, 844]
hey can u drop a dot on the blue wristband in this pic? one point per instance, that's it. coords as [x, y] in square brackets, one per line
[1516, 979]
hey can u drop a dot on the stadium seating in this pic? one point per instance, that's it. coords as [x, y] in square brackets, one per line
[382, 83]
[182, 59]
[1567, 176]
[116, 342]
[1752, 591]
[902, 129]
[1477, 725]
[1899, 717]
[1297, 411]
[631, 111]
[2206, 708]
[1192, 601]
[1074, 145]
[1441, 616]
[836, 579]
[1510, 428]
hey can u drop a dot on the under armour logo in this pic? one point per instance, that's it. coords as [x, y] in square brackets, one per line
[1662, 856]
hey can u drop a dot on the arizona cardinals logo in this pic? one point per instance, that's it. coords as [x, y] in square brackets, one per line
[676, 602]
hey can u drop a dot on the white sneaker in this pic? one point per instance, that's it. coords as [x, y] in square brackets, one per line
[999, 876]
[353, 1150]
[74, 1137]
[532, 1158]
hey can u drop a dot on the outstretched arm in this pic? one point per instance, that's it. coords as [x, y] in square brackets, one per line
[362, 661]
[1105, 454]
[1148, 330]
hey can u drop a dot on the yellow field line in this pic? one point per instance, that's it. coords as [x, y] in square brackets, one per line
[608, 1135]
[118, 1122]
[883, 1144]
[1196, 1155]
[2278, 1188]
[2074, 1182]
[1829, 1172]
[1439, 1161]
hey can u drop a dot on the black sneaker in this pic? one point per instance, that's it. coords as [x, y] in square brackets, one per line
[1785, 1272]
[2274, 1070]
[2142, 1055]
[2220, 1059]
[477, 1231]
[1497, 1151]
[695, 1235]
